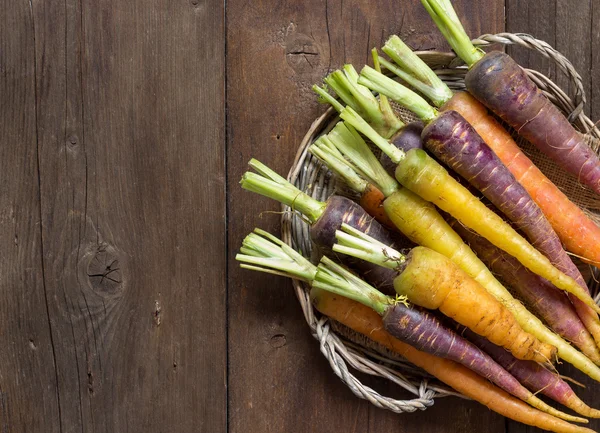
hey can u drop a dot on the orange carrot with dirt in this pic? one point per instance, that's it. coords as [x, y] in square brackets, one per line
[367, 322]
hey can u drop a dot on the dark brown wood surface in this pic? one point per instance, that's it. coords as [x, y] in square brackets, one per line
[113, 267]
[124, 129]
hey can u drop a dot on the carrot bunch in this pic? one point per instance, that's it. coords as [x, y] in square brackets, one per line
[449, 209]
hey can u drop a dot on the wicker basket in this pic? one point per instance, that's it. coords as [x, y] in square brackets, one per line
[342, 347]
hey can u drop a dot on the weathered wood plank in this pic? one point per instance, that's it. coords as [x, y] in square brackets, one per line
[130, 120]
[276, 50]
[29, 399]
[568, 28]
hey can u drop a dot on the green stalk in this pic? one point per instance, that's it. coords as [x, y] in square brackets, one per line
[353, 242]
[444, 16]
[353, 119]
[345, 138]
[384, 104]
[261, 251]
[327, 153]
[401, 53]
[402, 95]
[326, 98]
[378, 113]
[335, 279]
[407, 77]
[415, 71]
[270, 184]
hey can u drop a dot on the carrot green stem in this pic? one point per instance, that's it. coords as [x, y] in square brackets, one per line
[327, 153]
[326, 98]
[378, 113]
[384, 103]
[447, 21]
[353, 119]
[335, 279]
[261, 251]
[415, 71]
[345, 138]
[402, 95]
[355, 243]
[270, 184]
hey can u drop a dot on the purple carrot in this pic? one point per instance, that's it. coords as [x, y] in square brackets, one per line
[407, 138]
[498, 82]
[478, 164]
[532, 375]
[326, 218]
[541, 296]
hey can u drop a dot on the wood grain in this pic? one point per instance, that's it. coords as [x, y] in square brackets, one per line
[276, 50]
[114, 308]
[28, 353]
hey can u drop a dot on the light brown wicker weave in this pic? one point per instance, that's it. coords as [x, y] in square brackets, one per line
[344, 349]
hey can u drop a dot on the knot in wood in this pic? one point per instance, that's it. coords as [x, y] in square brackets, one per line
[277, 341]
[302, 53]
[105, 270]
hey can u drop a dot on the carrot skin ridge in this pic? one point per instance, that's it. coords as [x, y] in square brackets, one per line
[503, 86]
[532, 375]
[367, 322]
[422, 175]
[550, 304]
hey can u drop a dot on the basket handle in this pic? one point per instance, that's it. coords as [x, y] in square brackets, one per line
[528, 41]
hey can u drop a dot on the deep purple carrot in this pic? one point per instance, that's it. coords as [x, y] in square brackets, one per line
[502, 85]
[407, 138]
[532, 375]
[541, 296]
[326, 218]
[479, 165]
[498, 82]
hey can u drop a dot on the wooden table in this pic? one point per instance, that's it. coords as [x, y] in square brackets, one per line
[125, 127]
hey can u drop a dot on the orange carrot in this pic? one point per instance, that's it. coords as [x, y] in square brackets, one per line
[367, 322]
[371, 200]
[431, 280]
